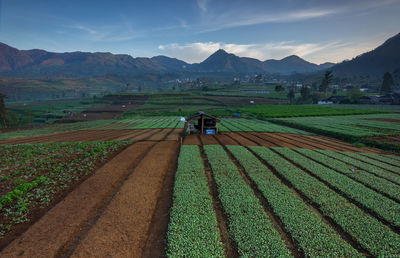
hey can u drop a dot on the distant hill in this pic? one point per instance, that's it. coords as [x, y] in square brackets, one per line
[221, 61]
[293, 64]
[385, 58]
[42, 64]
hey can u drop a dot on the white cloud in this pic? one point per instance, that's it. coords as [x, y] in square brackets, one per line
[202, 4]
[198, 51]
[112, 33]
[235, 18]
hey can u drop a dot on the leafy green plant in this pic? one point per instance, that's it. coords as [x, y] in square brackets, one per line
[193, 228]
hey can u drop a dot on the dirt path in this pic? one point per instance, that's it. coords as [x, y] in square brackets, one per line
[57, 229]
[225, 140]
[122, 228]
[175, 135]
[258, 140]
[208, 139]
[81, 135]
[241, 140]
[191, 140]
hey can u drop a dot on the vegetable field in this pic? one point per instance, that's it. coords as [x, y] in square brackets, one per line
[256, 189]
[32, 176]
[283, 201]
[360, 125]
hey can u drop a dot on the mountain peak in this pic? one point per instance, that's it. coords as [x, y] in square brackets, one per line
[221, 51]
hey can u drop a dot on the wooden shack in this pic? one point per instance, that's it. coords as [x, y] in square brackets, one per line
[202, 123]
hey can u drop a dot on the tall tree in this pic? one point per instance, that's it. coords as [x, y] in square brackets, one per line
[291, 96]
[3, 110]
[305, 92]
[387, 83]
[328, 77]
[279, 88]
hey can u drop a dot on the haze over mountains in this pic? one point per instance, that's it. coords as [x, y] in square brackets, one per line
[40, 63]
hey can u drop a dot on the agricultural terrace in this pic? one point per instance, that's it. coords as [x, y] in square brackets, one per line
[301, 201]
[258, 188]
[34, 176]
[84, 131]
[253, 125]
[381, 130]
[272, 111]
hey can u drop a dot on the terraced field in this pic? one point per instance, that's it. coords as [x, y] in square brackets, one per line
[258, 189]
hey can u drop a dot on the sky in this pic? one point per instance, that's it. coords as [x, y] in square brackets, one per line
[191, 30]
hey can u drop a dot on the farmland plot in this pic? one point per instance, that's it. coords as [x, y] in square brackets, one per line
[313, 203]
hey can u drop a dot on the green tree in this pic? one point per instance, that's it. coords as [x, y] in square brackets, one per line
[291, 95]
[328, 77]
[279, 88]
[305, 93]
[3, 110]
[354, 95]
[387, 83]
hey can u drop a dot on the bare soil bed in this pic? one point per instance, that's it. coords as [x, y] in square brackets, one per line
[280, 140]
[395, 121]
[394, 139]
[192, 139]
[56, 230]
[96, 135]
[126, 220]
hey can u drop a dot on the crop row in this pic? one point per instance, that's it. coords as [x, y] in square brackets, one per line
[376, 163]
[358, 125]
[384, 158]
[49, 129]
[315, 237]
[301, 110]
[33, 174]
[384, 207]
[144, 123]
[253, 125]
[380, 184]
[193, 228]
[372, 235]
[249, 225]
[362, 165]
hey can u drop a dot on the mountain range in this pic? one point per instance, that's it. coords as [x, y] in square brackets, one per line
[40, 63]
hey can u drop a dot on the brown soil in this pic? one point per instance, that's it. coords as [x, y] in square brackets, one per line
[52, 234]
[258, 140]
[96, 135]
[81, 135]
[104, 112]
[395, 121]
[273, 138]
[156, 243]
[122, 228]
[191, 140]
[225, 140]
[208, 139]
[387, 139]
[131, 135]
[175, 135]
[339, 145]
[146, 135]
[161, 135]
[242, 141]
[306, 143]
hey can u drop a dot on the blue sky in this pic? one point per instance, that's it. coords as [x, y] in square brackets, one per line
[191, 30]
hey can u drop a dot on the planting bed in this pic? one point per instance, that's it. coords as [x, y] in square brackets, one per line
[258, 189]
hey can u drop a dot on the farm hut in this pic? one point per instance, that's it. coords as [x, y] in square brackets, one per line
[202, 123]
